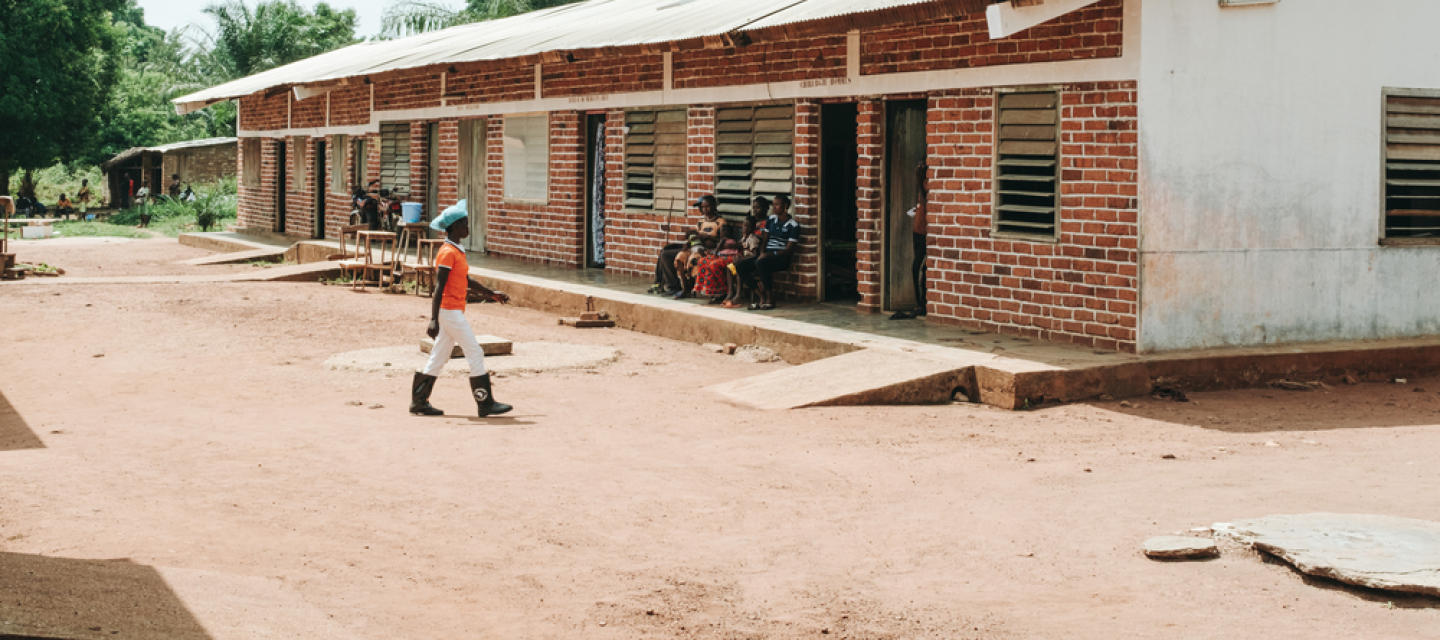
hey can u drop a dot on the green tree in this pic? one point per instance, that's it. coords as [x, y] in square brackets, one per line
[409, 17]
[60, 65]
[276, 32]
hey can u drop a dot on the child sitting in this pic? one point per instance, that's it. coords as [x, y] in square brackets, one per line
[687, 264]
[749, 248]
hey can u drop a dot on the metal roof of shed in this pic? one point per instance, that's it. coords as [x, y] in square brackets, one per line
[165, 148]
[585, 26]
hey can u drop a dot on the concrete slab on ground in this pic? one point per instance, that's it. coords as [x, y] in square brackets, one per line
[1374, 551]
[266, 254]
[492, 345]
[312, 272]
[868, 376]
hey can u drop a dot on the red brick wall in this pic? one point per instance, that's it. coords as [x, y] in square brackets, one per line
[258, 113]
[350, 106]
[416, 90]
[870, 140]
[492, 84]
[803, 278]
[552, 232]
[449, 163]
[308, 113]
[964, 42]
[765, 62]
[603, 75]
[1082, 289]
[255, 206]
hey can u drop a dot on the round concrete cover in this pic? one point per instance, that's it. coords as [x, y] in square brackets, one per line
[1380, 552]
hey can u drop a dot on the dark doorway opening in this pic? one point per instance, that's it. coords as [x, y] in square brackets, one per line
[839, 217]
[320, 187]
[904, 149]
[595, 190]
[281, 188]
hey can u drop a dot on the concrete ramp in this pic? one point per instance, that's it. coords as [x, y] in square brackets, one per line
[866, 377]
[265, 254]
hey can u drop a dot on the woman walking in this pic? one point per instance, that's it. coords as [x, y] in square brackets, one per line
[447, 321]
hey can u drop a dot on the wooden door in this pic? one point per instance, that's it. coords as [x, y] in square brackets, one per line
[904, 149]
[472, 178]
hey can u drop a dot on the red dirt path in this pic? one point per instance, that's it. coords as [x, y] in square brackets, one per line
[193, 426]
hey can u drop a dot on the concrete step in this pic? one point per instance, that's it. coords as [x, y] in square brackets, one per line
[866, 377]
[267, 254]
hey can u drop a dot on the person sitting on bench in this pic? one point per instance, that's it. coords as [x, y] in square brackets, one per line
[781, 236]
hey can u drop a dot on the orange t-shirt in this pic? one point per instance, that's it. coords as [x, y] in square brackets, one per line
[459, 281]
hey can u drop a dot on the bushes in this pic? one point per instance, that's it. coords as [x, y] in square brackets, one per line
[212, 205]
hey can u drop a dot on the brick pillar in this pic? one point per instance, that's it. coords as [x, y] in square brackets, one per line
[871, 140]
[449, 162]
[803, 279]
[699, 166]
[565, 212]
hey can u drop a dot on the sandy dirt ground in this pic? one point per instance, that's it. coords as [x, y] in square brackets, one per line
[194, 427]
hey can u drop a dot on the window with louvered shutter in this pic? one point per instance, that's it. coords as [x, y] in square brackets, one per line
[754, 155]
[395, 156]
[527, 158]
[1412, 164]
[1027, 161]
[655, 161]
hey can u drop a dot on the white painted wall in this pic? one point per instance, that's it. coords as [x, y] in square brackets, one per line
[1261, 172]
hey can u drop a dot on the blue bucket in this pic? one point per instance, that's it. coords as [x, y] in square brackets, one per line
[411, 211]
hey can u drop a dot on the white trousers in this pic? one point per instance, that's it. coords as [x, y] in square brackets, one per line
[454, 329]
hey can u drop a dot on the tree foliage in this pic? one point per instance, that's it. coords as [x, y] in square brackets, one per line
[247, 41]
[60, 65]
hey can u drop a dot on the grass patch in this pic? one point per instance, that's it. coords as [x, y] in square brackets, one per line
[90, 228]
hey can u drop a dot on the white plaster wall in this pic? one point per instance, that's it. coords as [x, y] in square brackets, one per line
[1261, 172]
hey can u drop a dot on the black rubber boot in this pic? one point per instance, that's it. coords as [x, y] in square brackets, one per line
[485, 399]
[420, 396]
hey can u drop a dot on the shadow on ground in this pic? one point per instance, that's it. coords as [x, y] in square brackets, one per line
[1394, 599]
[1363, 406]
[15, 434]
[70, 599]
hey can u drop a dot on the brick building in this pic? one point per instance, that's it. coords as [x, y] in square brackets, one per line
[578, 135]
[195, 161]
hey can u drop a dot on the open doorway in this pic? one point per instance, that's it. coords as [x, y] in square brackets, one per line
[839, 153]
[320, 184]
[904, 149]
[282, 189]
[595, 190]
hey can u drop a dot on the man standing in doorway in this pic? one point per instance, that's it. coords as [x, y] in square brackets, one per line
[447, 321]
[919, 231]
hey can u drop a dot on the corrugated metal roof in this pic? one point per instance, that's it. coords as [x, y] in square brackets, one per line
[592, 25]
[188, 144]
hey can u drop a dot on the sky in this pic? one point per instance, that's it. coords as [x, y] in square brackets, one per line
[169, 14]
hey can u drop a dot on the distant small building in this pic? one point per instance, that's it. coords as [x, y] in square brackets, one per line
[193, 160]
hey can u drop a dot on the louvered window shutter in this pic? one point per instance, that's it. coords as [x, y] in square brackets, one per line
[1027, 178]
[754, 155]
[1412, 166]
[395, 156]
[655, 161]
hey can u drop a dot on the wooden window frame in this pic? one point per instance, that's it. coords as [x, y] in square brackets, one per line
[339, 147]
[506, 159]
[635, 164]
[250, 171]
[359, 160]
[1389, 146]
[299, 159]
[996, 223]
